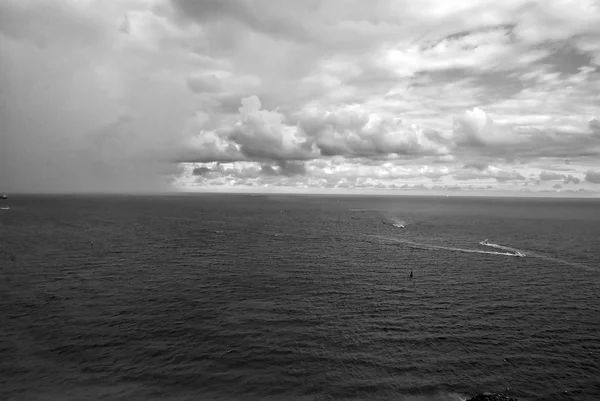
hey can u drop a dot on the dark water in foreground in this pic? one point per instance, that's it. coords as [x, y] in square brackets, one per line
[306, 298]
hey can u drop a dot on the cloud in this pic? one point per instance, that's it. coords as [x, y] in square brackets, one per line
[476, 129]
[595, 127]
[259, 134]
[558, 20]
[353, 133]
[481, 166]
[278, 20]
[339, 172]
[204, 83]
[82, 106]
[569, 179]
[551, 176]
[565, 178]
[498, 174]
[593, 177]
[202, 170]
[155, 95]
[285, 168]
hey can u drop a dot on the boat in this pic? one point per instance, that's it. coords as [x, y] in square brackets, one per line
[519, 254]
[484, 242]
[3, 196]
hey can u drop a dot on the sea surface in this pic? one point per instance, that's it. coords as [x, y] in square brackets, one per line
[272, 297]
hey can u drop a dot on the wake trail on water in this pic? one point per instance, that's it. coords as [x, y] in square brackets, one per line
[501, 250]
[541, 256]
[509, 251]
[505, 248]
[420, 245]
[396, 222]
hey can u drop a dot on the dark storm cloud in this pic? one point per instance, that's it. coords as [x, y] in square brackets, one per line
[80, 107]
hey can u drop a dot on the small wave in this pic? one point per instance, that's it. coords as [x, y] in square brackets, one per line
[5, 208]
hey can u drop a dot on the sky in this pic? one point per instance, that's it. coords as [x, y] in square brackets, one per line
[324, 96]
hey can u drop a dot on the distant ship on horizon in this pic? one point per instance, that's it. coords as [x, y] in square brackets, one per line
[3, 196]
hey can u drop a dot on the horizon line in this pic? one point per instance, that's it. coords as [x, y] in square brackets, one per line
[312, 192]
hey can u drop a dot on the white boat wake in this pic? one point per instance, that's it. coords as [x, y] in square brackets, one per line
[508, 251]
[395, 222]
[515, 251]
[420, 245]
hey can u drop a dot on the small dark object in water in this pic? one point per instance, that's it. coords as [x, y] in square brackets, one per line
[411, 274]
[491, 397]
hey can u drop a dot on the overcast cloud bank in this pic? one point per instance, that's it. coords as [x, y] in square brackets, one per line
[156, 95]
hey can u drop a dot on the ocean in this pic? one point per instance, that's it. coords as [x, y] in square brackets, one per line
[289, 297]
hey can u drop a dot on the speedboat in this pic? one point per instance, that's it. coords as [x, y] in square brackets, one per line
[519, 254]
[484, 242]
